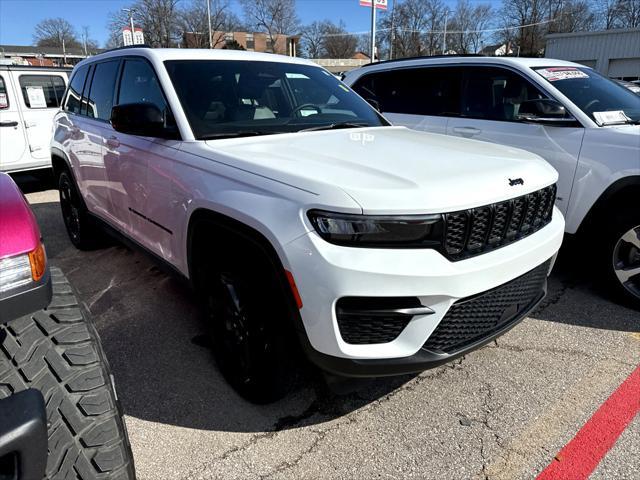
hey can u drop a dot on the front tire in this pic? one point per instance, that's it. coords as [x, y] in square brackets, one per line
[247, 315]
[57, 351]
[621, 260]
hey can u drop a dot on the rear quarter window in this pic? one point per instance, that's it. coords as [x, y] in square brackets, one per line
[42, 91]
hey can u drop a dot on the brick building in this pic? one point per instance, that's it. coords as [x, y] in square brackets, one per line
[253, 42]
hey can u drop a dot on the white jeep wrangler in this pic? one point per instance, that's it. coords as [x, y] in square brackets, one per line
[295, 210]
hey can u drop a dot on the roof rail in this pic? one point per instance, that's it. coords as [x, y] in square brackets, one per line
[421, 57]
[142, 45]
[34, 67]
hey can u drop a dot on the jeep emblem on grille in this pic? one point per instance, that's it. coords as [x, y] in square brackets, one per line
[515, 181]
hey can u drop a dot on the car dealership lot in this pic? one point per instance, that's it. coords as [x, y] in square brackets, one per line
[502, 412]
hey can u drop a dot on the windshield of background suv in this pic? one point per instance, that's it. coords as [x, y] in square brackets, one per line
[232, 98]
[592, 92]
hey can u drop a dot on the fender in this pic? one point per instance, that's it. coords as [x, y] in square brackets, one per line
[616, 192]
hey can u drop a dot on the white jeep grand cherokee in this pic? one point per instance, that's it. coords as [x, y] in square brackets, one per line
[298, 213]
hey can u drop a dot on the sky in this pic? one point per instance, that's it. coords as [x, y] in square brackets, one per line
[19, 17]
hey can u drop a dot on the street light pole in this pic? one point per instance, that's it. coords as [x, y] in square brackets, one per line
[130, 11]
[444, 37]
[393, 29]
[373, 30]
[209, 20]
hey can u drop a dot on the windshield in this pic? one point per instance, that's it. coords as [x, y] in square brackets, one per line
[592, 92]
[229, 98]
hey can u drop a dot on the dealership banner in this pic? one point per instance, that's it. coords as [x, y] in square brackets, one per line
[380, 4]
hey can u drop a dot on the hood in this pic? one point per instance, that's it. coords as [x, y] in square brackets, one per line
[390, 170]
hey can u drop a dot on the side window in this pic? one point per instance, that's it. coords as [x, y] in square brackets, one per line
[418, 91]
[100, 98]
[4, 97]
[140, 84]
[496, 94]
[42, 91]
[73, 102]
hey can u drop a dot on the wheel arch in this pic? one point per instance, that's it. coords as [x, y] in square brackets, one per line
[615, 196]
[202, 220]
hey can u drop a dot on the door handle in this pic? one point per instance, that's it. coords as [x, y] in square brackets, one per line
[467, 132]
[113, 142]
[9, 124]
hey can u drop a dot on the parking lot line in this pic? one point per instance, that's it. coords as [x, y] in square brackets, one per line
[579, 458]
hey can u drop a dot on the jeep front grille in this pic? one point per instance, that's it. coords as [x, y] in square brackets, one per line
[478, 230]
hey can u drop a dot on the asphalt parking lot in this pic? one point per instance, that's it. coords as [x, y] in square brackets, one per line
[502, 412]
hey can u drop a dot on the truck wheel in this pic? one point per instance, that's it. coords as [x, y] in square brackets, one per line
[57, 351]
[622, 257]
[246, 313]
[82, 231]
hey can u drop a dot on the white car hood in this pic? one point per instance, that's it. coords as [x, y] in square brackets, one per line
[392, 169]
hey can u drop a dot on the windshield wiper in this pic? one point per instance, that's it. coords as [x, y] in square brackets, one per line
[335, 126]
[242, 133]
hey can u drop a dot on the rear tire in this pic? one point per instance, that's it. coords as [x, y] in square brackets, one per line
[247, 315]
[82, 230]
[57, 351]
[620, 261]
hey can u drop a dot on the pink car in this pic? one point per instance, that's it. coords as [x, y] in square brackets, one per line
[50, 354]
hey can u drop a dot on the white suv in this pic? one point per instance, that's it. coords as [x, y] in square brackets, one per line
[29, 98]
[296, 211]
[583, 124]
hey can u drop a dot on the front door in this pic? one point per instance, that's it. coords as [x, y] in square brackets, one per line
[491, 97]
[12, 138]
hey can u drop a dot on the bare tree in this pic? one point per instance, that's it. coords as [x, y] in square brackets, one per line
[158, 19]
[410, 19]
[608, 13]
[338, 43]
[192, 19]
[629, 16]
[273, 17]
[522, 24]
[467, 24]
[312, 40]
[55, 32]
[571, 16]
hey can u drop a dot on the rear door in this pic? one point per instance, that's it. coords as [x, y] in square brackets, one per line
[491, 97]
[421, 98]
[92, 128]
[12, 137]
[40, 97]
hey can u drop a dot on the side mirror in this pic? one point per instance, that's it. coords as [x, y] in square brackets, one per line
[545, 111]
[144, 119]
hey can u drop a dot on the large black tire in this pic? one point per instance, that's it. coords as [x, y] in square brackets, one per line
[621, 255]
[248, 318]
[57, 351]
[82, 230]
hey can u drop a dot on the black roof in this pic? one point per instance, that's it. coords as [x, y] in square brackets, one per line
[421, 57]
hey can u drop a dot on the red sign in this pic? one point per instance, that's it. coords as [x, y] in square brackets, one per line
[380, 4]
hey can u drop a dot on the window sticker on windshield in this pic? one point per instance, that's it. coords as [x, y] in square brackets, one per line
[615, 117]
[36, 97]
[561, 73]
[297, 75]
[4, 103]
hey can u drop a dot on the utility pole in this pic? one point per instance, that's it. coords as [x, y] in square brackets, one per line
[373, 31]
[444, 36]
[209, 20]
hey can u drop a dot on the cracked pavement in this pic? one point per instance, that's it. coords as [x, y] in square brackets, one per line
[501, 412]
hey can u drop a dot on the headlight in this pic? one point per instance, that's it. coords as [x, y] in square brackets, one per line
[407, 231]
[23, 269]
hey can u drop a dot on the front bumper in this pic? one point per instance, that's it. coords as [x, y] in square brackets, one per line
[325, 273]
[30, 298]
